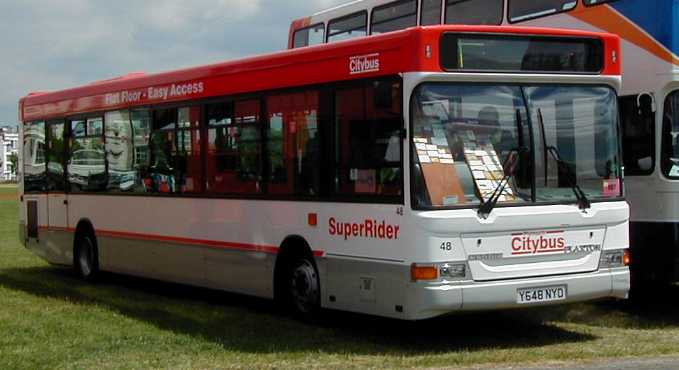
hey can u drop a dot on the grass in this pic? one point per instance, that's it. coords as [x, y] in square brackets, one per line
[49, 319]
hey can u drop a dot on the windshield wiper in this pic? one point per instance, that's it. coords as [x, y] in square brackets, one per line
[583, 202]
[509, 167]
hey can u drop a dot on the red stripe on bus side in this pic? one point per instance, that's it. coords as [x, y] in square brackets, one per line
[196, 242]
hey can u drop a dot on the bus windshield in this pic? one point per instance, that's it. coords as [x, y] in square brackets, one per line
[565, 137]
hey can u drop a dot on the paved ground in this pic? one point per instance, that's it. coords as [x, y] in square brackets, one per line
[670, 363]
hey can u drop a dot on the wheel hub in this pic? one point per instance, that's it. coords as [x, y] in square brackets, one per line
[304, 286]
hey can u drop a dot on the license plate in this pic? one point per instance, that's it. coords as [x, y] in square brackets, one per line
[542, 295]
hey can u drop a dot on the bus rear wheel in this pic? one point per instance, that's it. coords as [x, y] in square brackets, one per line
[85, 258]
[304, 288]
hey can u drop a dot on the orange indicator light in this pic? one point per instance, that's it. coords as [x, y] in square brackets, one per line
[627, 258]
[419, 273]
[313, 219]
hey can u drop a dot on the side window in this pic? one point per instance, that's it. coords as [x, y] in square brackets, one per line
[119, 134]
[638, 138]
[522, 10]
[597, 2]
[162, 172]
[56, 152]
[233, 148]
[396, 16]
[175, 152]
[431, 12]
[187, 153]
[87, 159]
[670, 136]
[141, 160]
[368, 140]
[34, 157]
[351, 26]
[294, 143]
[474, 12]
[309, 36]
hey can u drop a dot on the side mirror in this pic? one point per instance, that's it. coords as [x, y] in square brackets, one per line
[646, 104]
[645, 164]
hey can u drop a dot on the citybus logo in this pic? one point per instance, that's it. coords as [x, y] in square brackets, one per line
[550, 242]
[364, 64]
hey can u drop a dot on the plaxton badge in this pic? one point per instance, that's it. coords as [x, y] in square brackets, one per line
[364, 64]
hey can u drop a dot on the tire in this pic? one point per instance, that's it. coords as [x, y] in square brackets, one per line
[85, 258]
[303, 288]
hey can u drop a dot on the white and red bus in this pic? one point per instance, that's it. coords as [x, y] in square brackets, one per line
[408, 175]
[649, 101]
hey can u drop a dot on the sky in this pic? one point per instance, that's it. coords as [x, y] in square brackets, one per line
[55, 44]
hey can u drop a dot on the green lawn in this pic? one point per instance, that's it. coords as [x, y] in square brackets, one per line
[49, 319]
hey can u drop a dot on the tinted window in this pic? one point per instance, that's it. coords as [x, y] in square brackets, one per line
[141, 163]
[638, 137]
[579, 123]
[392, 17]
[56, 153]
[120, 151]
[309, 36]
[162, 172]
[294, 143]
[34, 157]
[175, 152]
[87, 157]
[520, 10]
[474, 12]
[233, 148]
[670, 139]
[431, 12]
[597, 2]
[512, 53]
[354, 25]
[368, 140]
[462, 134]
[187, 153]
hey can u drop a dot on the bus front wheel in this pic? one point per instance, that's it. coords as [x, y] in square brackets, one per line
[85, 258]
[304, 288]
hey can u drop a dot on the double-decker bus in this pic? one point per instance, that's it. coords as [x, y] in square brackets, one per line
[408, 175]
[649, 102]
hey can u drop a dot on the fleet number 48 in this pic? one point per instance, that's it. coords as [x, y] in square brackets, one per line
[447, 246]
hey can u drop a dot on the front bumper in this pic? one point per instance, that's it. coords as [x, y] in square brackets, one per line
[431, 300]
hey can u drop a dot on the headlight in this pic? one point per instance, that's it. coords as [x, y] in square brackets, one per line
[453, 271]
[615, 258]
[439, 271]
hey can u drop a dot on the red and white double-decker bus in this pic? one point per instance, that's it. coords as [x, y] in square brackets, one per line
[409, 175]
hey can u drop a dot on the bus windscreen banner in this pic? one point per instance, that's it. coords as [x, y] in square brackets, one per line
[498, 53]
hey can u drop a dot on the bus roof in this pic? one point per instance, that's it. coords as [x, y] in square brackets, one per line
[298, 67]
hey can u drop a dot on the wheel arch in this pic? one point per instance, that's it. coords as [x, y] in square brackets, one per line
[292, 246]
[85, 227]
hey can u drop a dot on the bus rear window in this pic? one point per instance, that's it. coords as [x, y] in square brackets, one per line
[474, 12]
[396, 16]
[309, 36]
[351, 26]
[521, 10]
[520, 54]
